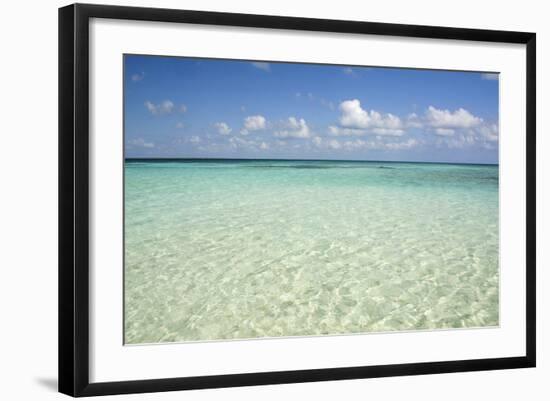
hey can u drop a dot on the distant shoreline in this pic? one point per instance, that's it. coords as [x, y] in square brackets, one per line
[216, 159]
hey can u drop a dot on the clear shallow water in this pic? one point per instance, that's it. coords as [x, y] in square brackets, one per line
[246, 249]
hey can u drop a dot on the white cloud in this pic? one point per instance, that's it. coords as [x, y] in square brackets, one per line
[388, 131]
[253, 123]
[138, 76]
[194, 139]
[455, 129]
[460, 118]
[354, 117]
[458, 141]
[294, 128]
[236, 142]
[411, 142]
[413, 121]
[486, 136]
[141, 143]
[179, 125]
[262, 66]
[452, 128]
[339, 131]
[223, 128]
[377, 143]
[334, 144]
[356, 144]
[165, 107]
[489, 132]
[490, 76]
[444, 131]
[444, 122]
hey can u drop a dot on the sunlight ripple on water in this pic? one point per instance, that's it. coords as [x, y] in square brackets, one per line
[229, 249]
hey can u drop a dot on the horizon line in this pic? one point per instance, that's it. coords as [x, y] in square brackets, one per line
[298, 160]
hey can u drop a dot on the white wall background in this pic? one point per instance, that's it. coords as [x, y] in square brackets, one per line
[28, 199]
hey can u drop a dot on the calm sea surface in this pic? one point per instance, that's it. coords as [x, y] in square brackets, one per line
[247, 249]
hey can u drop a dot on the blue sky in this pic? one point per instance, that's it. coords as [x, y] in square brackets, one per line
[190, 107]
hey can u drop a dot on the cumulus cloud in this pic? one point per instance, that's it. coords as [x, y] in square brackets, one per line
[339, 131]
[359, 129]
[237, 142]
[413, 121]
[334, 144]
[223, 128]
[485, 135]
[460, 118]
[388, 131]
[234, 144]
[489, 132]
[165, 107]
[294, 128]
[376, 143]
[444, 131]
[455, 129]
[357, 121]
[243, 145]
[262, 66]
[247, 144]
[459, 128]
[411, 142]
[458, 141]
[141, 143]
[253, 123]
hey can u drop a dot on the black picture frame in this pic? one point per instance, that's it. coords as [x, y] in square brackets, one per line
[74, 191]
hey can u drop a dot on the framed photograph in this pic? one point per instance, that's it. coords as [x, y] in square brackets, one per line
[250, 199]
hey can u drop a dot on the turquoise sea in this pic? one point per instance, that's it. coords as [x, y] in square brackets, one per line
[228, 249]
